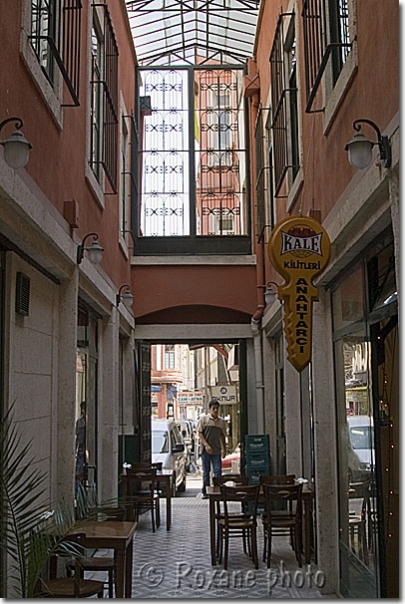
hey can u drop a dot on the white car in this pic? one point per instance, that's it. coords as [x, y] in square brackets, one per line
[168, 447]
[360, 447]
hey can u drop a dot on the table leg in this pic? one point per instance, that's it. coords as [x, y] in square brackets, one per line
[212, 532]
[128, 570]
[168, 504]
[120, 558]
[307, 528]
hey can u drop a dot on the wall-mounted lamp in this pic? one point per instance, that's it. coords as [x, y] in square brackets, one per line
[94, 251]
[360, 148]
[270, 294]
[16, 148]
[127, 298]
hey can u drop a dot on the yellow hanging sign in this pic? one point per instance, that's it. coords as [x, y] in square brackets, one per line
[299, 250]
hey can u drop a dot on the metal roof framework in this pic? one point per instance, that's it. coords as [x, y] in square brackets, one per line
[193, 32]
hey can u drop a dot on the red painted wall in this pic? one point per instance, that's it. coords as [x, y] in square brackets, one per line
[58, 157]
[161, 288]
[373, 94]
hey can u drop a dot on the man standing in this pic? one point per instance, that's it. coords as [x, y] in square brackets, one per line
[211, 431]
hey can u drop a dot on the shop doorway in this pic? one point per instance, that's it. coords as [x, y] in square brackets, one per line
[365, 315]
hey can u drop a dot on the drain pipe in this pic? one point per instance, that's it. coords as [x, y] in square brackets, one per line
[258, 356]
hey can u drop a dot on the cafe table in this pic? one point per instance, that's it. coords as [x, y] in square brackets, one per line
[117, 535]
[164, 478]
[214, 495]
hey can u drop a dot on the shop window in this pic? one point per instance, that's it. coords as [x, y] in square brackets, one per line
[86, 396]
[365, 323]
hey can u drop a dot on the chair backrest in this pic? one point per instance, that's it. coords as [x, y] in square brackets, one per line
[285, 493]
[277, 479]
[361, 491]
[246, 495]
[141, 479]
[357, 490]
[235, 478]
[143, 465]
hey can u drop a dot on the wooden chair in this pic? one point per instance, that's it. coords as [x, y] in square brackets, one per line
[358, 510]
[143, 494]
[142, 465]
[96, 564]
[237, 526]
[277, 479]
[157, 466]
[237, 479]
[71, 587]
[291, 519]
[276, 508]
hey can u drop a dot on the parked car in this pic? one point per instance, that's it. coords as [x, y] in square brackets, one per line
[168, 447]
[186, 430]
[231, 460]
[360, 447]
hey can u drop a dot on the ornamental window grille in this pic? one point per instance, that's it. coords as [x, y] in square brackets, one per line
[284, 102]
[326, 41]
[104, 99]
[192, 162]
[55, 39]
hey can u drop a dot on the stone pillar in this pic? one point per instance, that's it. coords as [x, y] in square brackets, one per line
[325, 444]
[107, 470]
[270, 408]
[65, 410]
[292, 407]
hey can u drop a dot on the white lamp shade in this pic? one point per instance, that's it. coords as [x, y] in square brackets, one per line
[95, 252]
[16, 150]
[359, 151]
[127, 298]
[269, 296]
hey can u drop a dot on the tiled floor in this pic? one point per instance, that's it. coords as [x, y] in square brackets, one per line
[176, 563]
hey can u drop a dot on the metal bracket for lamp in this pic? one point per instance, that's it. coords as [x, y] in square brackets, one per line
[359, 148]
[94, 251]
[127, 297]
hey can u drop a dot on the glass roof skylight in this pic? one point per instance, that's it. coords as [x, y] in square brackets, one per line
[193, 31]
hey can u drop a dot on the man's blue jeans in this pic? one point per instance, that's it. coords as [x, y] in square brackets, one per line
[207, 460]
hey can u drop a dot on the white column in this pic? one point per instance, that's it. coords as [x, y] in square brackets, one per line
[325, 444]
